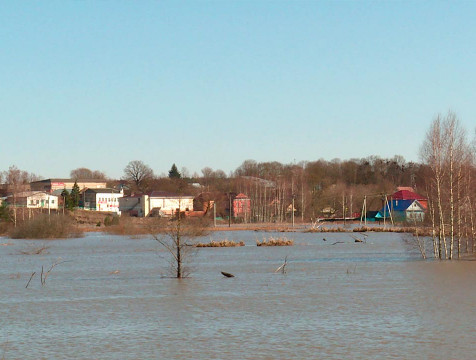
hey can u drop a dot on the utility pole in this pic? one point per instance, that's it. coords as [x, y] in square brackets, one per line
[343, 207]
[229, 212]
[351, 207]
[214, 214]
[293, 210]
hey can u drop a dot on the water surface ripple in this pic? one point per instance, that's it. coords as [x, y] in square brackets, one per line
[112, 299]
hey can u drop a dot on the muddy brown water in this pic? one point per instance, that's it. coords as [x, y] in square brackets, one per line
[112, 299]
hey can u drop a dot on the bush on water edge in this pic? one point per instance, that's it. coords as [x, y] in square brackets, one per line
[46, 227]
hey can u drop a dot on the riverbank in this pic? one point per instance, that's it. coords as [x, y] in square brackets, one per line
[91, 221]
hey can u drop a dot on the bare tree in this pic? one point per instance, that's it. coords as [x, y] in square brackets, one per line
[432, 153]
[446, 152]
[14, 179]
[455, 153]
[85, 173]
[138, 173]
[176, 236]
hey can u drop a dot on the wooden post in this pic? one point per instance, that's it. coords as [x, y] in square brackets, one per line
[229, 212]
[214, 214]
[293, 210]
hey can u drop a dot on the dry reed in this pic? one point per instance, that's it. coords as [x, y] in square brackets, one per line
[223, 243]
[281, 241]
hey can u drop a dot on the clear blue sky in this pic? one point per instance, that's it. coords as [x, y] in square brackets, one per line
[213, 83]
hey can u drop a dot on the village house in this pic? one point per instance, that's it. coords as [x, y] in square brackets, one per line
[405, 193]
[402, 210]
[241, 206]
[56, 186]
[162, 203]
[33, 200]
[101, 200]
[167, 203]
[131, 205]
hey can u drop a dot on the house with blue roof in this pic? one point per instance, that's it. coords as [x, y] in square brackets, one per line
[402, 210]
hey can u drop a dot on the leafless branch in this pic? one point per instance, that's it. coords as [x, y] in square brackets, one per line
[31, 277]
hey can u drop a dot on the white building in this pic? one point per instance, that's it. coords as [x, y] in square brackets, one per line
[34, 200]
[102, 200]
[166, 203]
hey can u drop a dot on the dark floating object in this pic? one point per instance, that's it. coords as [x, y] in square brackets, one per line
[324, 239]
[357, 240]
[227, 274]
[338, 242]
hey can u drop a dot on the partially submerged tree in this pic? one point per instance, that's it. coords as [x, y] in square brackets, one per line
[449, 188]
[177, 237]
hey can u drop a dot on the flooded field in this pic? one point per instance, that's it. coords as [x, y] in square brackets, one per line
[112, 299]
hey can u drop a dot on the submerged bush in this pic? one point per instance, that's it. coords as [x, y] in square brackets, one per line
[282, 241]
[46, 227]
[223, 243]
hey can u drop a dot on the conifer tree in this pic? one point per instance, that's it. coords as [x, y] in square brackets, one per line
[66, 198]
[74, 196]
[174, 173]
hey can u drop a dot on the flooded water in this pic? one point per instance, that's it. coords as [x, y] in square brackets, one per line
[112, 299]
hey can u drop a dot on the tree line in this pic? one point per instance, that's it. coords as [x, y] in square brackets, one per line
[321, 187]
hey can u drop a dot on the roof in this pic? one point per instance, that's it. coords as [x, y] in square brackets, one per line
[241, 196]
[28, 193]
[407, 195]
[55, 180]
[167, 194]
[103, 191]
[399, 205]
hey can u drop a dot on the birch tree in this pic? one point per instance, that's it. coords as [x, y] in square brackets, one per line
[432, 153]
[446, 152]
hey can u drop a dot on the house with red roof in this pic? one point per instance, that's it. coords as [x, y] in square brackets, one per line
[241, 206]
[409, 194]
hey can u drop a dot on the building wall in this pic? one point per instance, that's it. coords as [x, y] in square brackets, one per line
[42, 200]
[132, 205]
[99, 201]
[241, 207]
[108, 202]
[169, 205]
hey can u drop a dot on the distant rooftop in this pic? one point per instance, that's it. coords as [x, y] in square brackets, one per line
[167, 194]
[68, 180]
[103, 191]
